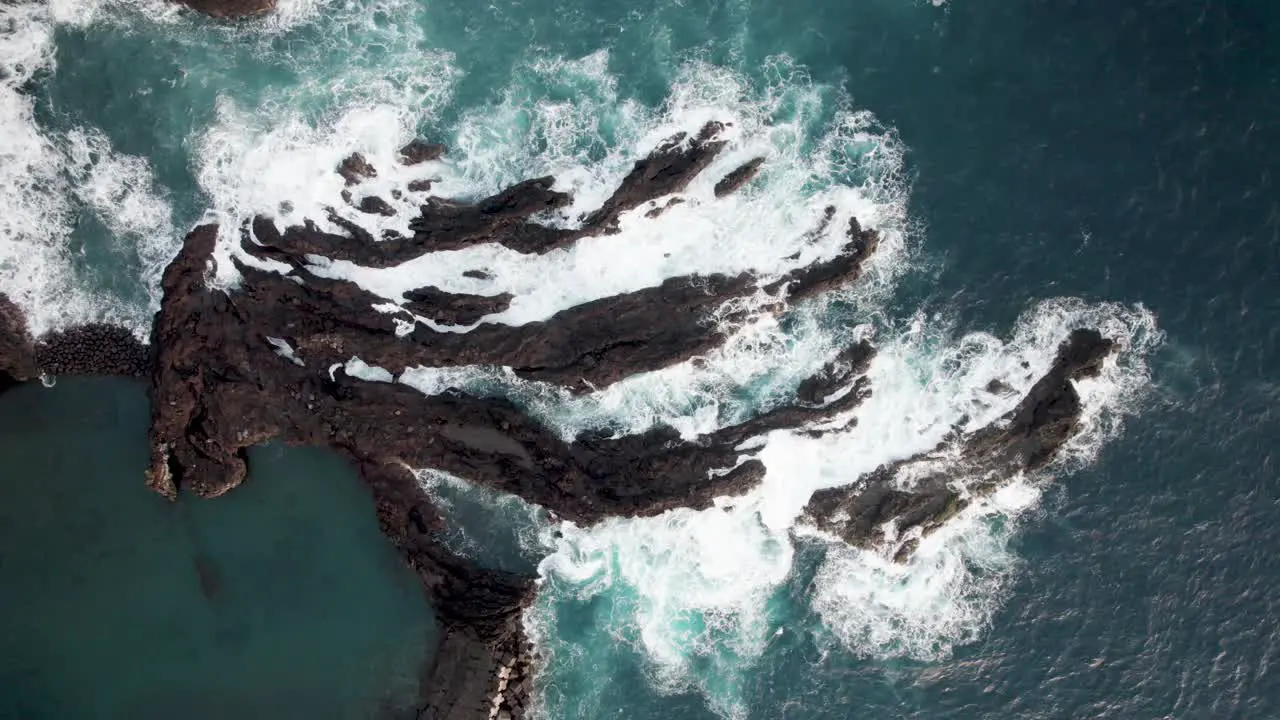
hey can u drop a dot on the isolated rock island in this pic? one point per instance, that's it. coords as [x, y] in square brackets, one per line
[231, 369]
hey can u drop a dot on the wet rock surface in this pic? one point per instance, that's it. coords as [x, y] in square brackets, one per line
[454, 308]
[355, 168]
[220, 386]
[503, 218]
[94, 349]
[1025, 439]
[584, 347]
[740, 176]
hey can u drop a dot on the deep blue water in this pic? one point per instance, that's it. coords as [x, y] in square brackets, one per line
[1100, 150]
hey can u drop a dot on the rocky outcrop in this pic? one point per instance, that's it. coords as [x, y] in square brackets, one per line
[220, 387]
[231, 369]
[420, 151]
[888, 512]
[454, 308]
[503, 218]
[586, 346]
[668, 169]
[95, 349]
[851, 363]
[17, 354]
[355, 168]
[231, 9]
[740, 176]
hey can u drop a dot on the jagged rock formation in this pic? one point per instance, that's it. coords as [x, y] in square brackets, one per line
[1025, 439]
[231, 369]
[420, 151]
[502, 218]
[221, 386]
[734, 181]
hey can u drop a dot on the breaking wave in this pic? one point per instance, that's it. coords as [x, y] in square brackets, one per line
[58, 186]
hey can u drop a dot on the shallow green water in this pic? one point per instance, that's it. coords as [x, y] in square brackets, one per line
[279, 600]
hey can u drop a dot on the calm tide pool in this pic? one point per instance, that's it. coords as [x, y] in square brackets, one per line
[279, 600]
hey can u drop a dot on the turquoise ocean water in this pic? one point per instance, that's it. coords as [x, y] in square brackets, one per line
[1031, 166]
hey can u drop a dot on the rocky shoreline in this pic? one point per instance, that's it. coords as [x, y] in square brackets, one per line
[232, 369]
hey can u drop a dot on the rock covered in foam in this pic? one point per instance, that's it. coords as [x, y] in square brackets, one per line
[1024, 439]
[740, 176]
[503, 218]
[93, 349]
[419, 151]
[355, 168]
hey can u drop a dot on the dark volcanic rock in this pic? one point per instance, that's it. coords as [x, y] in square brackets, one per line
[419, 185]
[589, 345]
[355, 168]
[826, 276]
[850, 363]
[231, 9]
[374, 205]
[419, 151]
[454, 308]
[17, 355]
[668, 169]
[220, 387]
[734, 181]
[1024, 439]
[445, 225]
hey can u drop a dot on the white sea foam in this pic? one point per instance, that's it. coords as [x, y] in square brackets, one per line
[278, 155]
[693, 589]
[49, 180]
[755, 229]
